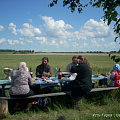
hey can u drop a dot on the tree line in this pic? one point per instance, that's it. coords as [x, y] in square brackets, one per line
[17, 51]
[32, 51]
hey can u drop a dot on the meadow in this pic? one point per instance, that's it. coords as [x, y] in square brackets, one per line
[100, 63]
[98, 106]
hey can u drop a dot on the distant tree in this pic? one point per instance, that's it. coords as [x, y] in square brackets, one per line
[110, 8]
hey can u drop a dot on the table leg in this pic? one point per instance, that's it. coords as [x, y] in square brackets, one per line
[106, 82]
[103, 82]
[61, 86]
[3, 90]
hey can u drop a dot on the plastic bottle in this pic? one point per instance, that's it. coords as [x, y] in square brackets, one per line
[59, 74]
[31, 73]
[56, 73]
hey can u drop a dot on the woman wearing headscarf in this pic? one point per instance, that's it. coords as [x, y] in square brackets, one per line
[83, 82]
[115, 76]
[20, 84]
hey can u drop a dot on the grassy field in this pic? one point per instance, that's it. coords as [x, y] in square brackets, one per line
[100, 62]
[98, 106]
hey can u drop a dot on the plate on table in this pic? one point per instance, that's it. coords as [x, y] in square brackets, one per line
[66, 74]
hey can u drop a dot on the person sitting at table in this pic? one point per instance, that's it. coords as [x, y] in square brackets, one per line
[115, 76]
[74, 62]
[20, 85]
[44, 69]
[83, 82]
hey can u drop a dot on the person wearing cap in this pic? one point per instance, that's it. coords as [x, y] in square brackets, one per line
[115, 76]
[20, 85]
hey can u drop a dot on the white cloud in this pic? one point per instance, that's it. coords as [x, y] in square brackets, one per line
[21, 39]
[2, 40]
[85, 44]
[16, 41]
[43, 41]
[74, 44]
[90, 24]
[54, 42]
[94, 43]
[99, 29]
[57, 33]
[40, 38]
[79, 35]
[61, 42]
[56, 29]
[1, 27]
[93, 29]
[13, 28]
[101, 39]
[13, 42]
[29, 30]
[29, 41]
[112, 45]
[22, 43]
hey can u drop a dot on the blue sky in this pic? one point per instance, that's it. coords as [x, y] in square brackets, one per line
[32, 25]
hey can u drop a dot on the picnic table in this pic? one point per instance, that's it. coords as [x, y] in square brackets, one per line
[44, 84]
[54, 82]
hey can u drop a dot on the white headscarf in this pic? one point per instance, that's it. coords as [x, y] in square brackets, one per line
[22, 66]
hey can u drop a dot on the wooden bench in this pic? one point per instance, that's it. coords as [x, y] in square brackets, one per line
[6, 87]
[4, 100]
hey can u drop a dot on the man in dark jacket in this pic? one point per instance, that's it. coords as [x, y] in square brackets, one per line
[83, 82]
[44, 69]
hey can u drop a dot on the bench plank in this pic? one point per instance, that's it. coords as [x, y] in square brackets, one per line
[60, 93]
[6, 87]
[103, 89]
[5, 99]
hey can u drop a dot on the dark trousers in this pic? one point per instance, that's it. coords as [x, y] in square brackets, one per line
[73, 90]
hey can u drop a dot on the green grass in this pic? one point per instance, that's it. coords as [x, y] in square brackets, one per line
[92, 105]
[100, 63]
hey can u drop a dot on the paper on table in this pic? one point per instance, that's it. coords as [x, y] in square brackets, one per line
[73, 76]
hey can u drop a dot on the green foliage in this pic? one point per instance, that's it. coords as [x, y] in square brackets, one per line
[16, 51]
[115, 58]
